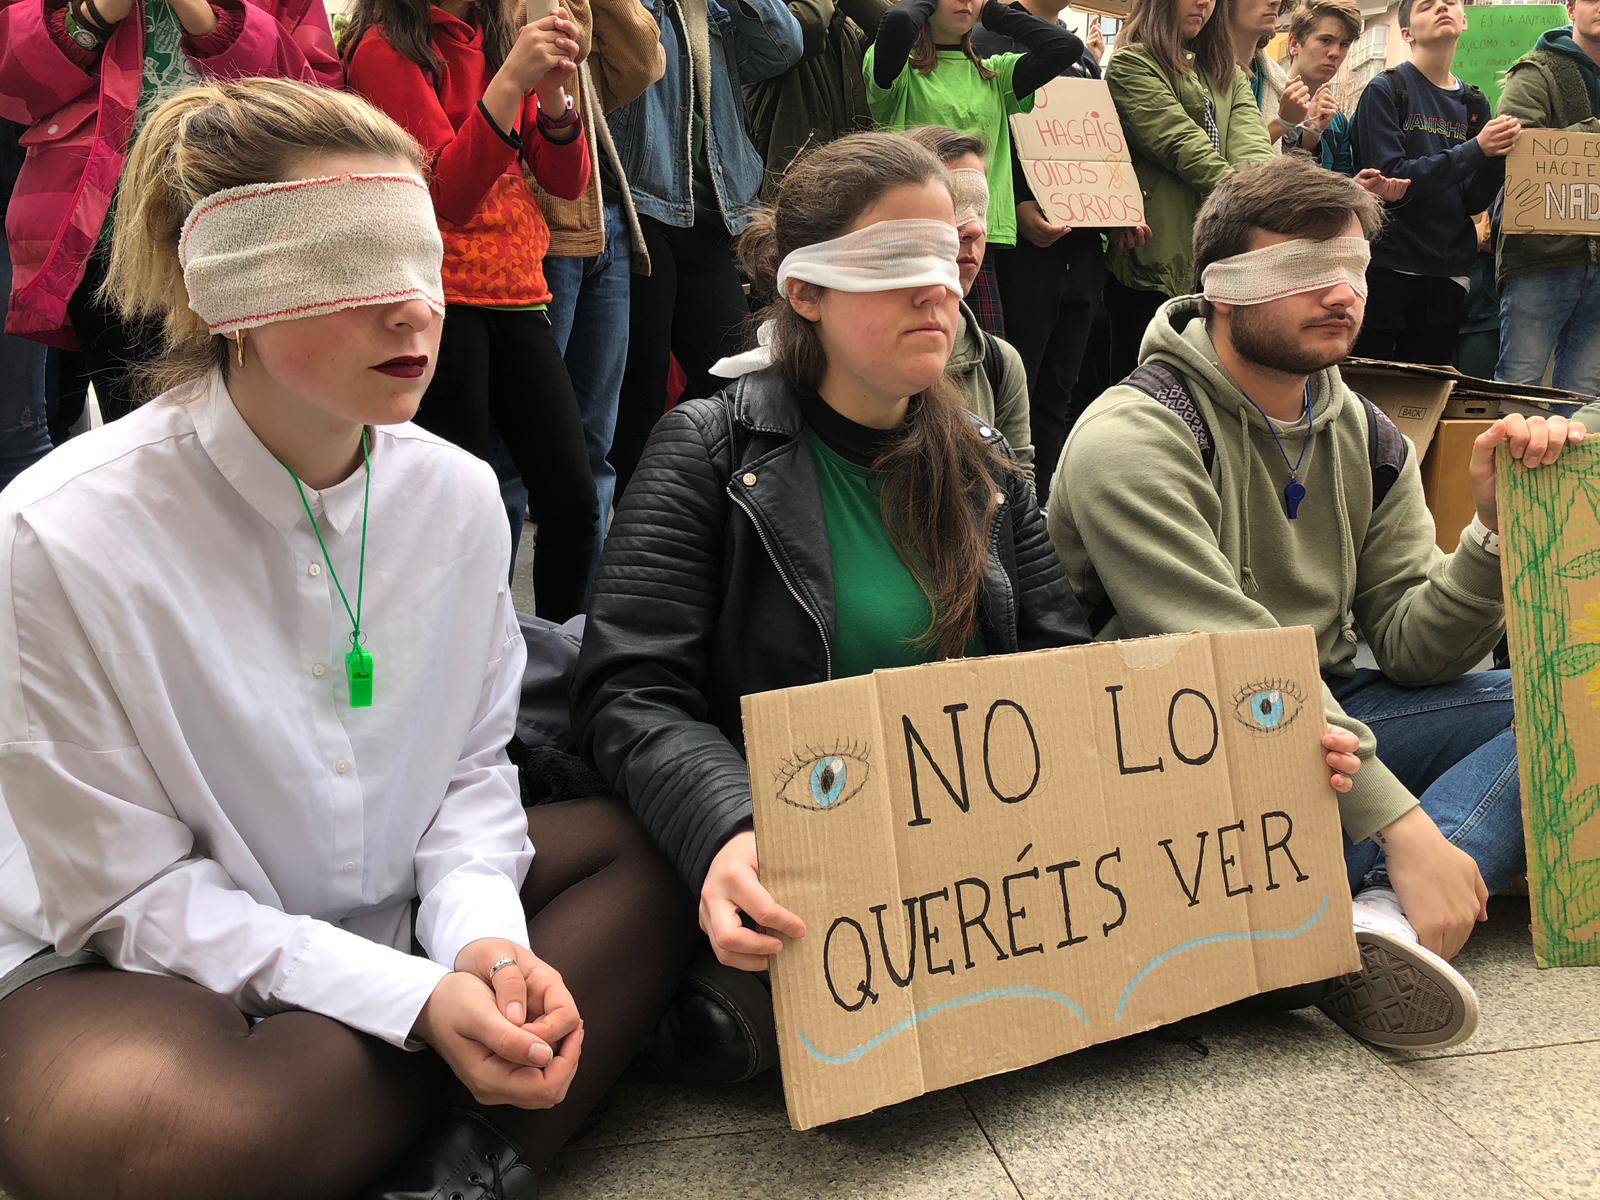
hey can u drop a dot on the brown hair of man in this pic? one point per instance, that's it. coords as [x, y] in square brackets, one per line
[1288, 195]
[1307, 16]
[948, 144]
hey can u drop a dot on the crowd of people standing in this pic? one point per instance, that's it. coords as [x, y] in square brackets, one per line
[751, 309]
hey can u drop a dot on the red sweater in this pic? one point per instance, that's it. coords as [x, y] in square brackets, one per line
[495, 237]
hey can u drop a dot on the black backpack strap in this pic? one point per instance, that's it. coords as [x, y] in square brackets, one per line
[1168, 388]
[1401, 93]
[993, 365]
[1386, 451]
[1478, 109]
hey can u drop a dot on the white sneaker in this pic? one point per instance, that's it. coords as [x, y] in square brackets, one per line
[1404, 997]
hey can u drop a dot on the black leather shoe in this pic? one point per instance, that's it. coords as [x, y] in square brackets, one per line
[459, 1157]
[719, 1028]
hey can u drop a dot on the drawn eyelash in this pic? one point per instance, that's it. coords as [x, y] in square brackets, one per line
[792, 766]
[1287, 686]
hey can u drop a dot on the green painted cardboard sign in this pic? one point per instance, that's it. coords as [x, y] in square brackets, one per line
[1550, 523]
[1499, 34]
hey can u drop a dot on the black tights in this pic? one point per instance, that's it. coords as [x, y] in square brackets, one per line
[141, 1086]
[501, 377]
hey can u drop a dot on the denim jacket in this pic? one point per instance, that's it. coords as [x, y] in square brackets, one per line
[751, 40]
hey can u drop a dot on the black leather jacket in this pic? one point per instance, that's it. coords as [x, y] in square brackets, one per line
[717, 582]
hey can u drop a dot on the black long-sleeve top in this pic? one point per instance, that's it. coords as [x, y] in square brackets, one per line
[1048, 49]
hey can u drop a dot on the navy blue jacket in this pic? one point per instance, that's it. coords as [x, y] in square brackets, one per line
[1430, 232]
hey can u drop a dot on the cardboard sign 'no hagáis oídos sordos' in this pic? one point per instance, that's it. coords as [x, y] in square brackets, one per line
[1001, 860]
[1075, 157]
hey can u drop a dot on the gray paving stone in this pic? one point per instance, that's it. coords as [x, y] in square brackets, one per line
[928, 1149]
[1281, 1106]
[1537, 1110]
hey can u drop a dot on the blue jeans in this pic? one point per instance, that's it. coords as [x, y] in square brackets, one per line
[589, 316]
[1553, 311]
[1452, 746]
[24, 426]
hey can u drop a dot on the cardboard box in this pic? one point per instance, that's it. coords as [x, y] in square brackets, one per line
[1550, 539]
[1002, 860]
[1413, 396]
[1418, 397]
[1445, 482]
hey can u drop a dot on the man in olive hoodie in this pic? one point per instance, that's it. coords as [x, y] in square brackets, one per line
[1550, 284]
[1279, 526]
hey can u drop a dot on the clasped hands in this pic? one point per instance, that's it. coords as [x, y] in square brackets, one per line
[488, 1033]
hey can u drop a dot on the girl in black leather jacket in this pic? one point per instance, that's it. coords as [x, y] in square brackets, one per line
[834, 512]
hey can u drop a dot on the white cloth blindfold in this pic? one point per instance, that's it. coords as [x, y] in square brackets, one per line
[306, 247]
[883, 257]
[1287, 269]
[969, 188]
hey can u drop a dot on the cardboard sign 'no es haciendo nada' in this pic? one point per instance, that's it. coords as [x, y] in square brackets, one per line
[1001, 860]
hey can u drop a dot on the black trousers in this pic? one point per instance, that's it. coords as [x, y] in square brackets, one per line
[1050, 296]
[113, 349]
[1131, 310]
[500, 371]
[1411, 318]
[691, 305]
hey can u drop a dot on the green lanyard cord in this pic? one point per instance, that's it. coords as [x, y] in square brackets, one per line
[356, 636]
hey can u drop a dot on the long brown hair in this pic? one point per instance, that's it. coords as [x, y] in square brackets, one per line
[938, 493]
[408, 27]
[1154, 25]
[925, 55]
[203, 140]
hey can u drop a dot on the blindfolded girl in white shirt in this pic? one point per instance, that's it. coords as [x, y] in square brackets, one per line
[258, 669]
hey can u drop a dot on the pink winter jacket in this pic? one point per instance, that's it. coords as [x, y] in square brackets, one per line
[80, 105]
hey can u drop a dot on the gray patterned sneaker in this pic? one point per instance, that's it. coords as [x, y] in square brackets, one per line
[1405, 997]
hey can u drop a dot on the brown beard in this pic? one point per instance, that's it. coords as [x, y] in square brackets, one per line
[1259, 340]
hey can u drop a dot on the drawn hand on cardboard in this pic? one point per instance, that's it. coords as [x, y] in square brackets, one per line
[822, 779]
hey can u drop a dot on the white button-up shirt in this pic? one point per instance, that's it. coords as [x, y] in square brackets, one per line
[185, 786]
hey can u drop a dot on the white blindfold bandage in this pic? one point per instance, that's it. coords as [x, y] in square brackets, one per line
[883, 257]
[970, 189]
[1288, 269]
[306, 247]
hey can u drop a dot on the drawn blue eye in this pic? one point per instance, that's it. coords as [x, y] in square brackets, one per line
[822, 779]
[1268, 706]
[1266, 709]
[828, 779]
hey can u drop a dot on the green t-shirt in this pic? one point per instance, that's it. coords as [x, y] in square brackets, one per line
[956, 96]
[880, 611]
[167, 69]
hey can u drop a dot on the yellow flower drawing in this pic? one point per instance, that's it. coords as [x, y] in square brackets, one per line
[1588, 628]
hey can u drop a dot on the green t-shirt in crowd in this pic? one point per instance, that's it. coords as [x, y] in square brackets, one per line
[167, 69]
[880, 610]
[956, 96]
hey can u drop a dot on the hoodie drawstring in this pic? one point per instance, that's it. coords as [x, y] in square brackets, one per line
[1347, 553]
[1247, 575]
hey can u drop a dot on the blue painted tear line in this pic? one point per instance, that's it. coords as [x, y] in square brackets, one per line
[1270, 935]
[1008, 993]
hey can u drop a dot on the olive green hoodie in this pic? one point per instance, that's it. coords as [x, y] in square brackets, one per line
[1138, 522]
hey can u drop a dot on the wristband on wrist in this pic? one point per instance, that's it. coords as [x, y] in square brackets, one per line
[90, 18]
[1488, 540]
[569, 116]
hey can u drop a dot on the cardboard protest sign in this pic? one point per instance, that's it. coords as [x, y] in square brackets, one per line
[1002, 860]
[1496, 36]
[1553, 183]
[1075, 157]
[1550, 526]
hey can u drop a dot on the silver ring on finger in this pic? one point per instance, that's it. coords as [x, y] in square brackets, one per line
[499, 964]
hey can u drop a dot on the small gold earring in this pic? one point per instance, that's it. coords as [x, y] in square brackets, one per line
[238, 349]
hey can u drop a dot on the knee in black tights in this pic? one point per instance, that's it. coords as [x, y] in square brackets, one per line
[146, 1086]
